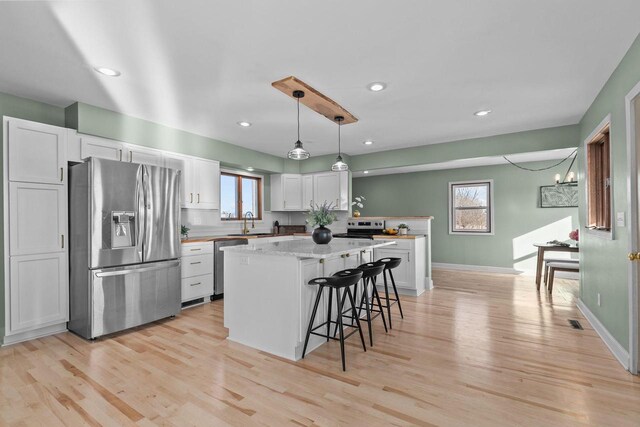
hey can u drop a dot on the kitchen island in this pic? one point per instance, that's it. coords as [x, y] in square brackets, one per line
[267, 302]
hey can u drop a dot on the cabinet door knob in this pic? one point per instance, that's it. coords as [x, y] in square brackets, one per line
[198, 197]
[61, 174]
[190, 197]
[120, 150]
[62, 241]
[130, 156]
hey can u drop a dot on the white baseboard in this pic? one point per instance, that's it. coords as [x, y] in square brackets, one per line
[501, 270]
[484, 268]
[618, 351]
[38, 333]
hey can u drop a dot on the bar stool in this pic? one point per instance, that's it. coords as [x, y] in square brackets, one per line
[340, 282]
[390, 264]
[369, 273]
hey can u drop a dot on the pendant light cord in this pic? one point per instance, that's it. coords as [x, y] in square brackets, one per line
[298, 119]
[546, 168]
[339, 150]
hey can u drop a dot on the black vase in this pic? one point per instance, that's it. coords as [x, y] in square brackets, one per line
[322, 235]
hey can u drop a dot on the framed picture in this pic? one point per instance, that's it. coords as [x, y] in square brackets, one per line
[559, 196]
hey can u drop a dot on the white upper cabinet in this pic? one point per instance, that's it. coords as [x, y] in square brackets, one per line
[286, 192]
[332, 187]
[326, 188]
[37, 218]
[181, 163]
[137, 154]
[37, 152]
[199, 182]
[293, 192]
[101, 148]
[307, 191]
[207, 184]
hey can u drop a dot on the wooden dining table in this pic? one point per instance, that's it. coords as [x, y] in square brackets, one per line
[548, 247]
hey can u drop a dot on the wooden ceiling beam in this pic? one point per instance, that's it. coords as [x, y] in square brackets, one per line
[314, 99]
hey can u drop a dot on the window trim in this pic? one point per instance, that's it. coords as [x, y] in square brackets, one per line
[490, 206]
[603, 234]
[244, 174]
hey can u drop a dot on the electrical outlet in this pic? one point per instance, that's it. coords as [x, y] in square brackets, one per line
[598, 299]
[620, 219]
[245, 261]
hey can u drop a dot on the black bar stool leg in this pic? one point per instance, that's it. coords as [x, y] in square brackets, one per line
[386, 292]
[395, 291]
[313, 317]
[329, 313]
[344, 298]
[367, 309]
[339, 301]
[353, 308]
[377, 297]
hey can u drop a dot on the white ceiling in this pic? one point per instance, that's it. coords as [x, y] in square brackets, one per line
[203, 65]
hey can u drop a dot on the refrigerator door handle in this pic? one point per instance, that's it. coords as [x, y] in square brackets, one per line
[122, 272]
[140, 214]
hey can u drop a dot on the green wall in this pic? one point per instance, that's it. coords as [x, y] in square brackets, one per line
[516, 196]
[520, 142]
[604, 261]
[97, 121]
[30, 110]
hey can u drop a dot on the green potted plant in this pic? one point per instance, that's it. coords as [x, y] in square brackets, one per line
[321, 215]
[402, 229]
[184, 232]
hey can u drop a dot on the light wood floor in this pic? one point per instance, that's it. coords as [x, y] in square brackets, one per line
[480, 349]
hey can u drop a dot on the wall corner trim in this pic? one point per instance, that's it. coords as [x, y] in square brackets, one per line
[618, 351]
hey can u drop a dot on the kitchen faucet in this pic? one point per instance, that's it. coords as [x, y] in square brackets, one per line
[245, 230]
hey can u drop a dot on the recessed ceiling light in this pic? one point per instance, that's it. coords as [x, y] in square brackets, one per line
[482, 113]
[368, 142]
[250, 169]
[377, 86]
[365, 172]
[244, 124]
[107, 71]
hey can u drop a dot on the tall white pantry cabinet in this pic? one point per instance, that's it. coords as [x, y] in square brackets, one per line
[36, 235]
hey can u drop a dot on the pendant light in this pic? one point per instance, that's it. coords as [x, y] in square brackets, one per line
[339, 165]
[298, 152]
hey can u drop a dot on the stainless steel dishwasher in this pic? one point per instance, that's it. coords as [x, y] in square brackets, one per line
[218, 264]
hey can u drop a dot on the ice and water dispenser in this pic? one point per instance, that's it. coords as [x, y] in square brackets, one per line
[123, 229]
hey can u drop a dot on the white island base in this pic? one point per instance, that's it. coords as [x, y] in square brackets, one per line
[267, 302]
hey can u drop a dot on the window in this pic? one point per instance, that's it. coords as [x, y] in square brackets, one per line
[471, 207]
[599, 181]
[240, 194]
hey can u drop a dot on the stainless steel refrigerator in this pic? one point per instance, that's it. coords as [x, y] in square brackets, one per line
[124, 221]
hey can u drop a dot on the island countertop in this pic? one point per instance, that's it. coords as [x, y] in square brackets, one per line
[308, 249]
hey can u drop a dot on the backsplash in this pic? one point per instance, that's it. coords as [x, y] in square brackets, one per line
[208, 223]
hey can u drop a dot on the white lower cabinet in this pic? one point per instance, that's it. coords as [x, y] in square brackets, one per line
[197, 271]
[410, 274]
[38, 292]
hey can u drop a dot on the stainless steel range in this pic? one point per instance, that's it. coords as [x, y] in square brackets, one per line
[362, 229]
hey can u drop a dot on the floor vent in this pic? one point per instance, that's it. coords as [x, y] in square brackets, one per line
[575, 324]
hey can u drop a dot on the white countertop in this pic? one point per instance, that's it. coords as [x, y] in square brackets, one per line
[308, 249]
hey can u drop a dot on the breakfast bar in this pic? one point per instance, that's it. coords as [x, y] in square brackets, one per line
[268, 303]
